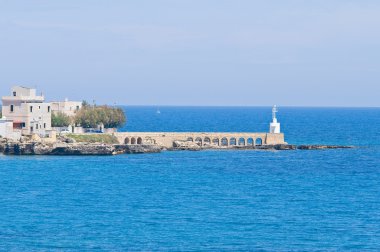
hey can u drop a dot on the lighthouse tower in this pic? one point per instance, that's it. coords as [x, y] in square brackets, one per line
[274, 126]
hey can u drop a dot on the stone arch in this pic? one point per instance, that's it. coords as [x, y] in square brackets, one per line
[126, 140]
[259, 141]
[190, 139]
[139, 140]
[224, 141]
[232, 141]
[242, 141]
[250, 141]
[133, 140]
[207, 140]
[198, 141]
[215, 141]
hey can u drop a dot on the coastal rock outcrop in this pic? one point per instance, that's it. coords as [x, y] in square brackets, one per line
[82, 149]
[285, 147]
[323, 147]
[185, 145]
[138, 149]
[265, 147]
[3, 141]
[57, 149]
[12, 148]
[67, 147]
[37, 148]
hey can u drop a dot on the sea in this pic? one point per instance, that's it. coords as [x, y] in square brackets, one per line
[214, 200]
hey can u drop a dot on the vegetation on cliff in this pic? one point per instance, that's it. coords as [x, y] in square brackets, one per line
[92, 116]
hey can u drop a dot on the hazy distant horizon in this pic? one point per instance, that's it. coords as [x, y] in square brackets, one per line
[194, 53]
[221, 105]
[244, 106]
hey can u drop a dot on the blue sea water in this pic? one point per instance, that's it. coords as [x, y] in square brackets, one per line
[326, 200]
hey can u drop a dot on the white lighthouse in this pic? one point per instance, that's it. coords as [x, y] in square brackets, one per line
[274, 126]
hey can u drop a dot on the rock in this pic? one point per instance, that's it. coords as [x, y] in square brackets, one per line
[322, 147]
[83, 149]
[185, 145]
[35, 138]
[2, 145]
[285, 147]
[57, 149]
[24, 139]
[42, 149]
[70, 140]
[66, 147]
[139, 149]
[65, 139]
[62, 148]
[19, 148]
[265, 147]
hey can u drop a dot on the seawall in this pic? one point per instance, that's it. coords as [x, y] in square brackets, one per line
[226, 139]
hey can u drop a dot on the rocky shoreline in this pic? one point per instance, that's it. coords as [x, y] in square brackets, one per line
[75, 149]
[69, 147]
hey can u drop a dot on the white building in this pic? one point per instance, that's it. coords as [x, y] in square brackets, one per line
[28, 111]
[6, 129]
[67, 107]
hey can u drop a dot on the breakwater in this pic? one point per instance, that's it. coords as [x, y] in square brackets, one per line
[215, 139]
[151, 142]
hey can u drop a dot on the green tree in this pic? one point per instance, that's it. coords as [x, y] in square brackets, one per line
[86, 117]
[59, 119]
[91, 117]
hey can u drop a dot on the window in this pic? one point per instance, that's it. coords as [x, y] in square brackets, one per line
[31, 109]
[12, 108]
[48, 109]
[23, 125]
[39, 107]
[14, 94]
[36, 126]
[44, 125]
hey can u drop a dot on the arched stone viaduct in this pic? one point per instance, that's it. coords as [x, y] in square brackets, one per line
[166, 139]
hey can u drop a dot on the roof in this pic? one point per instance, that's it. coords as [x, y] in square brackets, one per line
[22, 87]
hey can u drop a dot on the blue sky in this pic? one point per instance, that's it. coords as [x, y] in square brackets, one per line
[194, 52]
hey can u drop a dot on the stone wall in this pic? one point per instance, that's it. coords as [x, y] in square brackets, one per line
[166, 139]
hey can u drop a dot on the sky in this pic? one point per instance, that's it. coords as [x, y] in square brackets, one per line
[194, 52]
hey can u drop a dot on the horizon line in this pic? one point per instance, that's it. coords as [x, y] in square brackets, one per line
[250, 106]
[236, 106]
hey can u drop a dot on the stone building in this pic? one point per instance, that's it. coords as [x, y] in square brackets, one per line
[67, 107]
[28, 111]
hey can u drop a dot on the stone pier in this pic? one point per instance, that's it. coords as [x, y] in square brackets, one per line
[222, 139]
